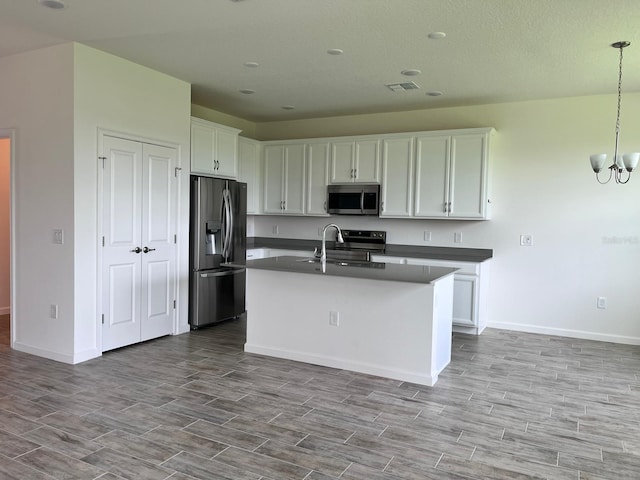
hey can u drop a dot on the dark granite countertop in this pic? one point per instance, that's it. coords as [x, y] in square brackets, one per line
[369, 270]
[476, 255]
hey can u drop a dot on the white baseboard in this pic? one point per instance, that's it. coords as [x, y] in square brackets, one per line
[5, 310]
[343, 364]
[57, 356]
[564, 332]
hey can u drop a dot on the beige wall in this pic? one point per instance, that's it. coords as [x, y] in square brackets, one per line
[5, 219]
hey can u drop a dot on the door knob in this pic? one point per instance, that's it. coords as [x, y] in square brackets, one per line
[136, 250]
[147, 249]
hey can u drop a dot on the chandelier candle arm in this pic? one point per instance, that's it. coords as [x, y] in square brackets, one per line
[628, 161]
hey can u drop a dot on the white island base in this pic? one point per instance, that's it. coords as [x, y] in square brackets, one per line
[399, 330]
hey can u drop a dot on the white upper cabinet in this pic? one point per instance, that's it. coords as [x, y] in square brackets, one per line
[355, 161]
[283, 179]
[451, 175]
[397, 177]
[317, 178]
[214, 149]
[249, 172]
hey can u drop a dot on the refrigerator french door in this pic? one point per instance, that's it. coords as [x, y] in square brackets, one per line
[217, 238]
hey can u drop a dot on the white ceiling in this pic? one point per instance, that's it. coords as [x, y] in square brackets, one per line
[495, 50]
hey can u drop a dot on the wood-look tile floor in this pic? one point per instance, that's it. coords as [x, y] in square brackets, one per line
[195, 406]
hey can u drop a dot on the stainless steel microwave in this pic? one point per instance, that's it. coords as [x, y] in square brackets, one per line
[353, 199]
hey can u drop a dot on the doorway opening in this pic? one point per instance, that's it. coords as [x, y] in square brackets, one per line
[5, 237]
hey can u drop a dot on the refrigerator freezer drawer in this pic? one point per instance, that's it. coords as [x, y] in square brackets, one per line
[217, 295]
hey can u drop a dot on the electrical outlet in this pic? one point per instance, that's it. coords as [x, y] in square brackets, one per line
[457, 237]
[602, 302]
[334, 319]
[427, 236]
[526, 240]
[53, 311]
[275, 230]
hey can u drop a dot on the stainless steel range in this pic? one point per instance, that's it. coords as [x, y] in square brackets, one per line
[358, 246]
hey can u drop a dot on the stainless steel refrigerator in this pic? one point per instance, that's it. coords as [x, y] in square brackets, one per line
[218, 234]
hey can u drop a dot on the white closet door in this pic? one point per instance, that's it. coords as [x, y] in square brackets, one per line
[139, 250]
[158, 227]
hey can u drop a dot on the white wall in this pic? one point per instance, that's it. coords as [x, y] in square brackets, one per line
[57, 99]
[36, 94]
[586, 236]
[5, 219]
[118, 95]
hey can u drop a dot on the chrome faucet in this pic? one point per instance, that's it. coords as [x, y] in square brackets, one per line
[323, 256]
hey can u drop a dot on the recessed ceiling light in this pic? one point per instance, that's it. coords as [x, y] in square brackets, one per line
[247, 91]
[412, 72]
[437, 35]
[335, 51]
[251, 64]
[288, 107]
[52, 4]
[434, 93]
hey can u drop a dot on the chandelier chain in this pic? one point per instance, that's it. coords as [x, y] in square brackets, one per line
[619, 92]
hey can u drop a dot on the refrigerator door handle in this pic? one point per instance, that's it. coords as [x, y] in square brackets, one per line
[231, 221]
[223, 273]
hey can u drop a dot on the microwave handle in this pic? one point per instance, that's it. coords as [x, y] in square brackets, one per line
[362, 201]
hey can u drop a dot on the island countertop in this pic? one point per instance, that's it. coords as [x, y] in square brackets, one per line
[424, 274]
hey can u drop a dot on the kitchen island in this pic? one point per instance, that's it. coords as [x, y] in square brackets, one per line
[376, 318]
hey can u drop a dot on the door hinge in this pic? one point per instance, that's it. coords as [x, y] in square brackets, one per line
[103, 241]
[104, 159]
[175, 238]
[174, 304]
[176, 170]
[103, 318]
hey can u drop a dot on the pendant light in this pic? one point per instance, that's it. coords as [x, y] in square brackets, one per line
[620, 163]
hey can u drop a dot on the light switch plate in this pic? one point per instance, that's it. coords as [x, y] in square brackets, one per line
[58, 236]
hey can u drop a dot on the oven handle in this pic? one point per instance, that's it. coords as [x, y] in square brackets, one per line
[362, 201]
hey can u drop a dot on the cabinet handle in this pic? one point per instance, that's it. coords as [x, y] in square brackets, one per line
[445, 207]
[355, 173]
[382, 206]
[325, 206]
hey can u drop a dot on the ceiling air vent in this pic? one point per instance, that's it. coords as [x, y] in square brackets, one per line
[402, 87]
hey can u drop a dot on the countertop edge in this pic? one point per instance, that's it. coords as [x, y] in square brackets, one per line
[393, 272]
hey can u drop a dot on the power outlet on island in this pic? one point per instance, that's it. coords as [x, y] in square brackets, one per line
[334, 319]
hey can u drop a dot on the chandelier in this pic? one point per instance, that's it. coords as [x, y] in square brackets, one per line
[621, 163]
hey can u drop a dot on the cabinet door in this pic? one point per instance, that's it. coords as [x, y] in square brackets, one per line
[397, 177]
[342, 159]
[317, 178]
[202, 149]
[432, 176]
[249, 172]
[273, 179]
[366, 163]
[465, 300]
[226, 153]
[294, 188]
[468, 176]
